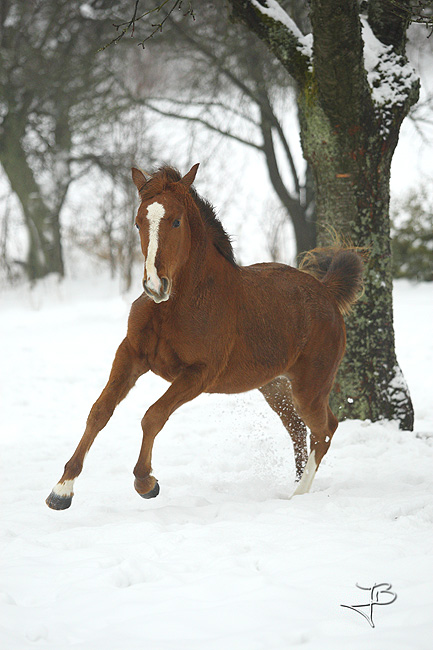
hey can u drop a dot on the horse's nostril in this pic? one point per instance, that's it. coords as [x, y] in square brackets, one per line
[165, 284]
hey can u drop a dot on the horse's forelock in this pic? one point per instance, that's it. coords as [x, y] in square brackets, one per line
[166, 178]
[159, 182]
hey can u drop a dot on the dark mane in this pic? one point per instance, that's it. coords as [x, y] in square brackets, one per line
[160, 180]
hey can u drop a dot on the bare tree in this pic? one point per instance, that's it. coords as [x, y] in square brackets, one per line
[226, 81]
[56, 97]
[109, 236]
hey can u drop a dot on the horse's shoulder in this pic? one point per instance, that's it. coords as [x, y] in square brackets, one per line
[140, 316]
[141, 306]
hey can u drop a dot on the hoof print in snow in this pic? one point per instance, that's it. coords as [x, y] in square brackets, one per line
[56, 502]
[152, 493]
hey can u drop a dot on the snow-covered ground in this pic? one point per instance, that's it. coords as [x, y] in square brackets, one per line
[221, 560]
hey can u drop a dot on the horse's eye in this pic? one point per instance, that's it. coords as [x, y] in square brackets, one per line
[176, 223]
[137, 226]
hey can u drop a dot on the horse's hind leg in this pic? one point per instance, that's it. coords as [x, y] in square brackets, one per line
[127, 368]
[278, 394]
[315, 411]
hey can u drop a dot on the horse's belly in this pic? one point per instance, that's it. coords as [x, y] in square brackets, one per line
[249, 368]
[266, 346]
[238, 383]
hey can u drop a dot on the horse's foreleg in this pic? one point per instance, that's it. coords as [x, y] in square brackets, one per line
[126, 369]
[188, 385]
[278, 394]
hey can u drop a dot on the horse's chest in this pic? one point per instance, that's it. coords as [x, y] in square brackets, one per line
[162, 356]
[174, 343]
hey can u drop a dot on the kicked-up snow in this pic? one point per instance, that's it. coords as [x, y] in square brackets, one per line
[221, 559]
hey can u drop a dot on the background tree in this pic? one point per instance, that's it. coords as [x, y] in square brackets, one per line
[412, 241]
[110, 237]
[57, 95]
[228, 82]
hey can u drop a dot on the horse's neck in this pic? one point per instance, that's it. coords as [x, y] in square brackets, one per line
[206, 266]
[200, 244]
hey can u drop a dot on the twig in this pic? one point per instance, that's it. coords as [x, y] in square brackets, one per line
[205, 123]
[129, 25]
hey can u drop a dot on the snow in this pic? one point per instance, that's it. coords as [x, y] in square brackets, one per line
[390, 77]
[275, 11]
[221, 558]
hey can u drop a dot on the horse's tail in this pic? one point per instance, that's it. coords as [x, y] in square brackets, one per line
[340, 269]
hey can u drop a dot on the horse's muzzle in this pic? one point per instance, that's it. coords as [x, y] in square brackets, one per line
[163, 295]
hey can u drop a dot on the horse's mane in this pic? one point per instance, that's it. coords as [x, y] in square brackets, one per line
[166, 175]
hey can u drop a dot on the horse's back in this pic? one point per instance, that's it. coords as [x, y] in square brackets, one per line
[284, 290]
[289, 300]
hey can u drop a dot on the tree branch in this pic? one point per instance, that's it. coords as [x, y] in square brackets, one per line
[292, 205]
[271, 24]
[275, 123]
[129, 25]
[205, 104]
[259, 97]
[227, 72]
[389, 20]
[205, 123]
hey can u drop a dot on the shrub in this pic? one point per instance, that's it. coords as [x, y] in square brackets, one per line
[412, 237]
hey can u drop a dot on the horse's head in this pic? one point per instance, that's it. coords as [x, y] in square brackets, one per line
[164, 230]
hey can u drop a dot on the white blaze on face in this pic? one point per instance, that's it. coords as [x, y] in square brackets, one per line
[155, 212]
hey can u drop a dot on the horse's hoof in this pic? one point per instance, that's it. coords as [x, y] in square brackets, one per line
[56, 502]
[152, 493]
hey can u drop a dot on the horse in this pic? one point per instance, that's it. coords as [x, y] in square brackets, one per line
[207, 324]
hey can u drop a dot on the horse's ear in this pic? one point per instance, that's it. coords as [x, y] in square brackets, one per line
[138, 178]
[188, 179]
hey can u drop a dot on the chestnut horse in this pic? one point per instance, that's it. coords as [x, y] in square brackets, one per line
[206, 324]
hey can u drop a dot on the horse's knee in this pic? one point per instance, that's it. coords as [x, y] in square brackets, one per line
[99, 414]
[153, 421]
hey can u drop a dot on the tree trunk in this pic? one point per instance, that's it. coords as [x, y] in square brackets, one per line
[348, 136]
[297, 209]
[352, 198]
[44, 253]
